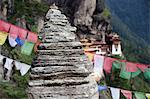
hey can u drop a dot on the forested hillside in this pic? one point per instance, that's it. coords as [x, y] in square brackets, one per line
[130, 18]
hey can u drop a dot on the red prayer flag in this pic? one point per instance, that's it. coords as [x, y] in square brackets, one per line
[142, 67]
[14, 31]
[22, 33]
[127, 94]
[32, 37]
[131, 67]
[108, 64]
[4, 26]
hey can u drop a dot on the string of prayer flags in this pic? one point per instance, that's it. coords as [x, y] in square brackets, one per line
[127, 94]
[115, 93]
[14, 31]
[4, 26]
[12, 41]
[27, 48]
[22, 33]
[32, 37]
[16, 34]
[24, 68]
[108, 64]
[139, 95]
[3, 37]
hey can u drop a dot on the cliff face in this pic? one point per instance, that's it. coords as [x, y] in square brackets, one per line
[87, 15]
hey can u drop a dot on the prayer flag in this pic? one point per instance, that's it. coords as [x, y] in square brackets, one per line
[3, 37]
[32, 37]
[108, 64]
[19, 41]
[127, 94]
[98, 64]
[4, 26]
[115, 93]
[12, 41]
[14, 31]
[142, 67]
[134, 74]
[22, 34]
[27, 48]
[147, 73]
[139, 95]
[124, 74]
[131, 67]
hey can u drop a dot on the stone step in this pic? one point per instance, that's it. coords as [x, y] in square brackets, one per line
[59, 59]
[63, 44]
[84, 91]
[60, 52]
[65, 56]
[58, 75]
[54, 69]
[61, 63]
[57, 82]
[48, 58]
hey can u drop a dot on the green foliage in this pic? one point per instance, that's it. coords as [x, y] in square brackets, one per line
[16, 89]
[29, 9]
[106, 13]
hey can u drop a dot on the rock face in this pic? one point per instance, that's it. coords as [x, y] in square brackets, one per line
[83, 16]
[89, 16]
[61, 70]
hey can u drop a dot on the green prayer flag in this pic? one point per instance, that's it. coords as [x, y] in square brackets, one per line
[139, 95]
[124, 74]
[116, 64]
[147, 73]
[134, 74]
[27, 48]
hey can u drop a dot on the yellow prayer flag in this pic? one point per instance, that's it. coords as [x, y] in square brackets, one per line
[3, 37]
